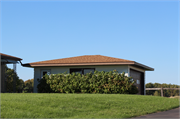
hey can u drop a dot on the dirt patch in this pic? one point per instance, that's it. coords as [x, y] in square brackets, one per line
[175, 97]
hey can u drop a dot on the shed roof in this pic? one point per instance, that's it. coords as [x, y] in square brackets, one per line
[87, 60]
[5, 56]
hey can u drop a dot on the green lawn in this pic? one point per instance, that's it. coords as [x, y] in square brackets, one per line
[29, 105]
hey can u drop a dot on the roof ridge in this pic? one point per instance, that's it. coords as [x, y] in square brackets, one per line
[64, 58]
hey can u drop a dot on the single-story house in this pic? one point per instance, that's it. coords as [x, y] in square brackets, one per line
[87, 63]
[7, 59]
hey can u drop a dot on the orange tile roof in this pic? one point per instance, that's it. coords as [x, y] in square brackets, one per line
[87, 60]
[4, 56]
[84, 59]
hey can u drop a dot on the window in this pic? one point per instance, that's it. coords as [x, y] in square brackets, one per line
[76, 71]
[82, 70]
[137, 81]
[44, 71]
[88, 71]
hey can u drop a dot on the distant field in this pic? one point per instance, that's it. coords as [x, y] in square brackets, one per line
[31, 105]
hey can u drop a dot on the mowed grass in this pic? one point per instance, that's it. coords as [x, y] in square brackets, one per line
[34, 105]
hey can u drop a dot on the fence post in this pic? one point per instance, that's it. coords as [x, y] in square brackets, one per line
[161, 92]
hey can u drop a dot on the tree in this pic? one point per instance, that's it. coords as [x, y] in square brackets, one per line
[157, 93]
[29, 85]
[21, 85]
[166, 93]
[149, 92]
[10, 75]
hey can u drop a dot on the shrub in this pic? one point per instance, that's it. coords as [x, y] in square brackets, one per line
[156, 93]
[43, 87]
[98, 82]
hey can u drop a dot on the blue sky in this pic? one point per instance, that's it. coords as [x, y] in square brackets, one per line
[142, 31]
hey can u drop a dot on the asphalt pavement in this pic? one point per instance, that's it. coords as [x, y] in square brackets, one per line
[173, 113]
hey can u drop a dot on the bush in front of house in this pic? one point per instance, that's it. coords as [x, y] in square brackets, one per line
[98, 82]
[43, 87]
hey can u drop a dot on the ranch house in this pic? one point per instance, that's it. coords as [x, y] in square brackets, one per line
[88, 63]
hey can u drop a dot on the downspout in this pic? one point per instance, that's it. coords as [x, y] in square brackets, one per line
[21, 62]
[144, 84]
[128, 71]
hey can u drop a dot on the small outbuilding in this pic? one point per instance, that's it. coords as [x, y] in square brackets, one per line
[7, 59]
[88, 63]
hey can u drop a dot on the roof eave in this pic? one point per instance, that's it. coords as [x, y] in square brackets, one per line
[88, 64]
[4, 56]
[76, 64]
[7, 61]
[147, 68]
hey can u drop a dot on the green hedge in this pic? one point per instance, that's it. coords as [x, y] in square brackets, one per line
[98, 82]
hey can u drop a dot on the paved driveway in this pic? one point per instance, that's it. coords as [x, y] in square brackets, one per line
[174, 113]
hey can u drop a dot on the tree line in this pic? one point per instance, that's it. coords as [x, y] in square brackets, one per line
[21, 85]
[166, 93]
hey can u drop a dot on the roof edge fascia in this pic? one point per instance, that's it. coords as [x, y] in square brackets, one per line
[144, 66]
[76, 64]
[10, 57]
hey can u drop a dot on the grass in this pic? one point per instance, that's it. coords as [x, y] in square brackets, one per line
[34, 105]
